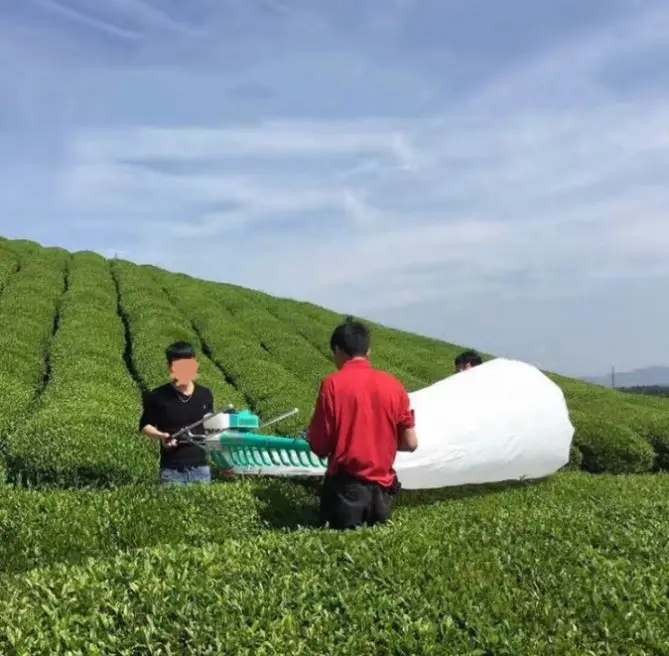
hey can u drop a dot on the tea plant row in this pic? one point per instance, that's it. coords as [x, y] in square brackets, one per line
[566, 567]
[81, 337]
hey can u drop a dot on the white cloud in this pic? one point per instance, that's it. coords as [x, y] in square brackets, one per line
[269, 139]
[543, 196]
[540, 181]
[106, 186]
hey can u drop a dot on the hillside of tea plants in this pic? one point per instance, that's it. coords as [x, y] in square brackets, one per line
[97, 558]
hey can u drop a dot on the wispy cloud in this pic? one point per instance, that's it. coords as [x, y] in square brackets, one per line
[112, 16]
[521, 193]
[279, 138]
[149, 14]
[86, 19]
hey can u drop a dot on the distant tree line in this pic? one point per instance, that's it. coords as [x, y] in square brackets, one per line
[652, 390]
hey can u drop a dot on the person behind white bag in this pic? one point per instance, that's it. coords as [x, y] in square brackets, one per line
[467, 360]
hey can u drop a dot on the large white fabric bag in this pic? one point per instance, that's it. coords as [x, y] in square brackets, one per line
[503, 420]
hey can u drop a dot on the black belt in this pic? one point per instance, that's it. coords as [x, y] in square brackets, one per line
[342, 476]
[183, 468]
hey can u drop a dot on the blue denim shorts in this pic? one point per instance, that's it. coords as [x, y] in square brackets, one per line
[185, 476]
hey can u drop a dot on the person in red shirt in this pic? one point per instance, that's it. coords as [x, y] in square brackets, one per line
[361, 420]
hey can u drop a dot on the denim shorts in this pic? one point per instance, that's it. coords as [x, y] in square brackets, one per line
[185, 476]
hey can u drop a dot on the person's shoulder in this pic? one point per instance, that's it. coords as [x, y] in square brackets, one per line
[330, 379]
[161, 390]
[203, 390]
[155, 396]
[334, 381]
[390, 380]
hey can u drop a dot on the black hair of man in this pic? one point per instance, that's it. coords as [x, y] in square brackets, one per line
[179, 351]
[471, 358]
[352, 337]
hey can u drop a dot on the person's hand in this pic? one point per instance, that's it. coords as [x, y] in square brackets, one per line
[168, 441]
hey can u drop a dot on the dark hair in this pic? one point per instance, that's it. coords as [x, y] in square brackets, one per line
[352, 337]
[179, 351]
[470, 357]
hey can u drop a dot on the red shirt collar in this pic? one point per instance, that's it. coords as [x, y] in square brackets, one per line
[357, 362]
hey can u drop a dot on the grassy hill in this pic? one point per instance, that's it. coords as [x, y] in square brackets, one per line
[505, 569]
[81, 336]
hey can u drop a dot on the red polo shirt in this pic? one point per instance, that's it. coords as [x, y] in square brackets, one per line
[357, 421]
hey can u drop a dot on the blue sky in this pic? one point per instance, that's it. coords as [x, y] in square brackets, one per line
[492, 173]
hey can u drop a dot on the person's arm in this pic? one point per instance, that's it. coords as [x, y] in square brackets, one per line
[406, 426]
[320, 433]
[148, 420]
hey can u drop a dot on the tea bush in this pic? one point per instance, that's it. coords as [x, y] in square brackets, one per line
[83, 429]
[39, 527]
[312, 327]
[654, 427]
[572, 566]
[277, 340]
[80, 344]
[609, 447]
[154, 323]
[287, 347]
[9, 263]
[28, 309]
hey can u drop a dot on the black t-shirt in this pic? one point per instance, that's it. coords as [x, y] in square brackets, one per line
[168, 411]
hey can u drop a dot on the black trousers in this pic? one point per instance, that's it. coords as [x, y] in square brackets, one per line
[348, 503]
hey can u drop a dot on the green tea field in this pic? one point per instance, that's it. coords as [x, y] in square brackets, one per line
[97, 558]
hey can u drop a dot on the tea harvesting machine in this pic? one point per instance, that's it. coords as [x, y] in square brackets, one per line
[232, 440]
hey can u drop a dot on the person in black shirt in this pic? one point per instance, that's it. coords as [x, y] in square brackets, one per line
[172, 406]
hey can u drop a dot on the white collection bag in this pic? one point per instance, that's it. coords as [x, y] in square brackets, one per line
[502, 420]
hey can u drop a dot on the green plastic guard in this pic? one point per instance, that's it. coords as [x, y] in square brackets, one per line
[252, 451]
